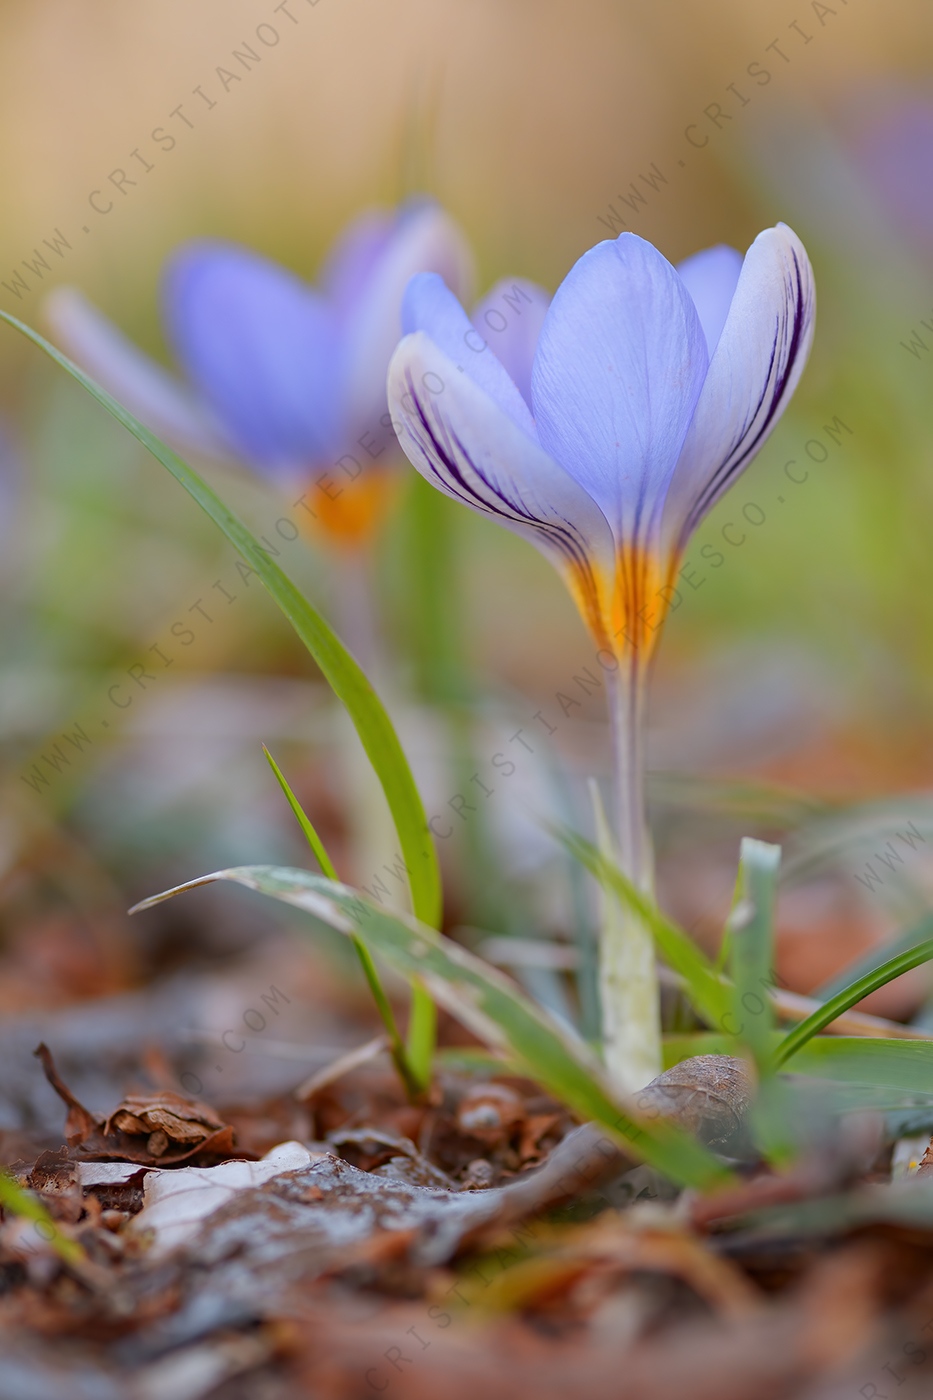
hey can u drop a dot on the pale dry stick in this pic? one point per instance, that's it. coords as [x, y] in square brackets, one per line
[361, 1055]
[795, 1007]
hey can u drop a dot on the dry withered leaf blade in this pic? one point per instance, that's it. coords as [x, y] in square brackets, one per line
[162, 1128]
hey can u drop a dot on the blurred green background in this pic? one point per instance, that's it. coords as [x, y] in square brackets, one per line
[801, 661]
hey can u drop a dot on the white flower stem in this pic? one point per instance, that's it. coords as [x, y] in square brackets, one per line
[627, 974]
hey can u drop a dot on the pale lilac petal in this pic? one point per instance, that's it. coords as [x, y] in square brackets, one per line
[620, 363]
[755, 369]
[711, 278]
[353, 259]
[431, 306]
[462, 442]
[425, 239]
[509, 318]
[893, 140]
[262, 348]
[156, 397]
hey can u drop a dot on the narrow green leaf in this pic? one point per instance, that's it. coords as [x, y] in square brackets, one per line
[756, 803]
[709, 993]
[875, 957]
[23, 1203]
[904, 1066]
[490, 1005]
[311, 836]
[410, 1079]
[779, 1124]
[342, 672]
[751, 944]
[828, 1012]
[430, 562]
[422, 1033]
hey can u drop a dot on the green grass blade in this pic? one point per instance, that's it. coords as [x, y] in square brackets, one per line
[422, 1034]
[23, 1203]
[842, 1001]
[413, 1083]
[875, 957]
[311, 836]
[706, 989]
[342, 672]
[751, 945]
[491, 1005]
[904, 1066]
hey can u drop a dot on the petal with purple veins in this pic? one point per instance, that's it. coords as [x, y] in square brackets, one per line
[752, 375]
[431, 306]
[462, 442]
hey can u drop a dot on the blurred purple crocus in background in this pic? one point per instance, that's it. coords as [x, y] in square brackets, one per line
[891, 137]
[286, 377]
[290, 379]
[604, 438]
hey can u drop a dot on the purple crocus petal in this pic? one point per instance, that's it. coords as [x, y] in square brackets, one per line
[424, 239]
[620, 363]
[431, 306]
[894, 147]
[352, 260]
[156, 397]
[462, 441]
[758, 361]
[509, 318]
[262, 349]
[711, 278]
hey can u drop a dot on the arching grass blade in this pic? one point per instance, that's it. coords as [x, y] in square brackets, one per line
[491, 1005]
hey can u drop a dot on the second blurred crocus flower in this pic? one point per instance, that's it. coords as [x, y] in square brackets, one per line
[284, 376]
[890, 132]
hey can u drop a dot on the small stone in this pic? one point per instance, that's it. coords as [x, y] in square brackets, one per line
[479, 1175]
[489, 1111]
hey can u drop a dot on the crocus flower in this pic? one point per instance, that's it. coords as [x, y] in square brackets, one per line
[649, 390]
[892, 136]
[278, 374]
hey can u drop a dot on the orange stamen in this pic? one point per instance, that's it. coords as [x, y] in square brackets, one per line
[625, 614]
[350, 513]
